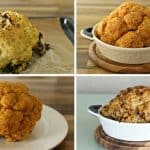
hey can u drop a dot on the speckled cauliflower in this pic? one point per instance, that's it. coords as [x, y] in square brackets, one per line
[19, 111]
[18, 38]
[130, 105]
[127, 26]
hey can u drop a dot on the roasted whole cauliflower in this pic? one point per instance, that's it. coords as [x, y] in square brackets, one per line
[127, 26]
[19, 111]
[131, 105]
[18, 39]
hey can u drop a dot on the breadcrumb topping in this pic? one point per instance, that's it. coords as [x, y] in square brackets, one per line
[19, 111]
[130, 105]
[127, 26]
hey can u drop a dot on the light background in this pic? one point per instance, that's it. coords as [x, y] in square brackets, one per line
[109, 84]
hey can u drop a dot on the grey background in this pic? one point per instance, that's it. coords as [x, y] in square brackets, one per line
[109, 84]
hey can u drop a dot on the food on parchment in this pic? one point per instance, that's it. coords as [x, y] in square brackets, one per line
[19, 38]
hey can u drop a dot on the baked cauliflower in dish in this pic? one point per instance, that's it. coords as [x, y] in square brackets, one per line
[18, 39]
[131, 105]
[127, 26]
[19, 111]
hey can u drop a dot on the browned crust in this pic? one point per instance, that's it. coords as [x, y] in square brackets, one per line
[130, 105]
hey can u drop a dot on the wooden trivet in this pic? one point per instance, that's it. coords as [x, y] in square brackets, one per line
[115, 144]
[116, 67]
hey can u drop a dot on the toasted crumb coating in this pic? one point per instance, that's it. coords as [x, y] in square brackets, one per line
[130, 39]
[144, 31]
[126, 22]
[17, 38]
[130, 105]
[19, 111]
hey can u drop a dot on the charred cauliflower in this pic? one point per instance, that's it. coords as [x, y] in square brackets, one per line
[18, 39]
[127, 26]
[19, 111]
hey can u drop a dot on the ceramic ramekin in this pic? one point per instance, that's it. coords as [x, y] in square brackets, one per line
[122, 130]
[122, 55]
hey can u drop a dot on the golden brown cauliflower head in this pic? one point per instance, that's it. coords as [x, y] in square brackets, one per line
[130, 105]
[19, 111]
[17, 38]
[127, 26]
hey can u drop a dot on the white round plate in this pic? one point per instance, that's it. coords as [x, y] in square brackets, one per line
[50, 131]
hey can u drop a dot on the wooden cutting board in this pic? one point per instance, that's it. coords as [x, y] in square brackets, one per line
[60, 58]
[40, 8]
[115, 144]
[116, 67]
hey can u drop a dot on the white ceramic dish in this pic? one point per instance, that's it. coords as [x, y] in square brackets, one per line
[47, 134]
[122, 55]
[121, 130]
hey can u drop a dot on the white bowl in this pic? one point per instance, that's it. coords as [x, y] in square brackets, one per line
[122, 130]
[122, 55]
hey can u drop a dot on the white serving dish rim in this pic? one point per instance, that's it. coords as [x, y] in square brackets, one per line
[116, 47]
[119, 122]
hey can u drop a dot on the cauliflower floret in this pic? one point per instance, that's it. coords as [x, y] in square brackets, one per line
[114, 27]
[129, 20]
[130, 39]
[19, 111]
[144, 31]
[133, 19]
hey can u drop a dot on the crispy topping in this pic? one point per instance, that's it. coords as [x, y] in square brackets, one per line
[127, 26]
[130, 105]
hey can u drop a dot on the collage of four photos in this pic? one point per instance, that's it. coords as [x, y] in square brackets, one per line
[75, 75]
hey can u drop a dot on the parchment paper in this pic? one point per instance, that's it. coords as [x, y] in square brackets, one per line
[60, 59]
